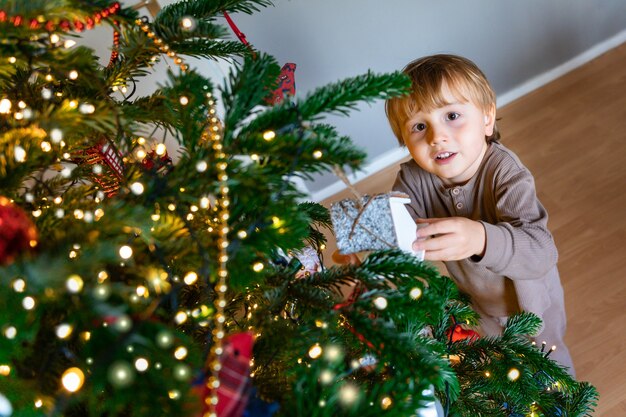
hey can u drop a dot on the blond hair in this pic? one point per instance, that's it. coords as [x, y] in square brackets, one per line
[428, 74]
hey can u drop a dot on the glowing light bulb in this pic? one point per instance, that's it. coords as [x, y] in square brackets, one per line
[184, 100]
[380, 303]
[415, 293]
[180, 353]
[87, 108]
[315, 351]
[269, 135]
[160, 149]
[28, 303]
[19, 154]
[73, 379]
[73, 75]
[74, 283]
[258, 267]
[137, 188]
[10, 332]
[126, 252]
[190, 278]
[180, 317]
[386, 403]
[513, 374]
[63, 330]
[5, 106]
[188, 23]
[19, 285]
[202, 166]
[348, 394]
[317, 154]
[141, 364]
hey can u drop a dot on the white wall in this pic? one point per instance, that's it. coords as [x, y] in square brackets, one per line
[519, 44]
[513, 41]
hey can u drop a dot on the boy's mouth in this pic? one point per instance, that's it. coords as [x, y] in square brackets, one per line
[443, 157]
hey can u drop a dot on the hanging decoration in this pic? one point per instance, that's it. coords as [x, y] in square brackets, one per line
[234, 376]
[108, 166]
[286, 82]
[63, 24]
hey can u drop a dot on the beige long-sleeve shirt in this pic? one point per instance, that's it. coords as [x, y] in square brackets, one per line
[518, 270]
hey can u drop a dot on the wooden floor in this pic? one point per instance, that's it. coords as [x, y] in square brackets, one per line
[571, 134]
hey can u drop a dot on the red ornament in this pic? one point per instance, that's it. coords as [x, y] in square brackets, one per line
[152, 161]
[3, 16]
[16, 20]
[456, 333]
[65, 25]
[286, 84]
[17, 231]
[235, 385]
[109, 157]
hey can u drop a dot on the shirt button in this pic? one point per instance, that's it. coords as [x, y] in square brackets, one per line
[459, 205]
[456, 191]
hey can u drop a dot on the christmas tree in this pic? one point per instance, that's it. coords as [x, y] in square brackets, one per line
[131, 285]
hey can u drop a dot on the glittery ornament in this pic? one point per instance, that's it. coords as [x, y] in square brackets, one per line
[374, 223]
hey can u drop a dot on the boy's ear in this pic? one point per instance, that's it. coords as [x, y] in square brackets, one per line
[490, 121]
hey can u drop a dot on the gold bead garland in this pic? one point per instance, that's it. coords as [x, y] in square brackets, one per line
[163, 47]
[213, 133]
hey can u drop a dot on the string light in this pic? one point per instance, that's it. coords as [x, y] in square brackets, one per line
[315, 351]
[513, 374]
[73, 379]
[141, 364]
[380, 303]
[348, 394]
[180, 353]
[5, 106]
[74, 283]
[269, 135]
[126, 252]
[190, 278]
[63, 331]
[19, 285]
[415, 293]
[386, 403]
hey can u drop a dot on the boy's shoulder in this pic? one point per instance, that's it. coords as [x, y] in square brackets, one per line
[503, 160]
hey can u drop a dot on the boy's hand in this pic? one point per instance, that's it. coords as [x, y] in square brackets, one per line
[350, 259]
[450, 239]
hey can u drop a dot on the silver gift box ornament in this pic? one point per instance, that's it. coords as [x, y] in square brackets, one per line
[374, 223]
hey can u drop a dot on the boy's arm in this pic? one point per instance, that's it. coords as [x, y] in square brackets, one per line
[519, 245]
[408, 185]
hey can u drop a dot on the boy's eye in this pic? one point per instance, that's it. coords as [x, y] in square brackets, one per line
[452, 116]
[418, 127]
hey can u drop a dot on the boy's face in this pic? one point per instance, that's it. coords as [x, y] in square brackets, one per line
[449, 141]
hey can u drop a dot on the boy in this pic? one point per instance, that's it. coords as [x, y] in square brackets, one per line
[484, 219]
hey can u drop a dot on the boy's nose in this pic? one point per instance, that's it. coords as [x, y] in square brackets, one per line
[436, 136]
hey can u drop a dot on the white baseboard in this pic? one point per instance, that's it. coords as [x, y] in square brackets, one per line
[396, 155]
